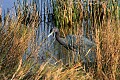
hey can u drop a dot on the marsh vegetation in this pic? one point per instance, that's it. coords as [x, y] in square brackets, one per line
[98, 21]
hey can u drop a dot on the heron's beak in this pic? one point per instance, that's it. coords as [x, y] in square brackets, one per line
[50, 33]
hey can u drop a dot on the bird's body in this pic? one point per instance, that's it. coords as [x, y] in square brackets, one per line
[80, 44]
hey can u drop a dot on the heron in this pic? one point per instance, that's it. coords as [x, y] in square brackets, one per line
[82, 46]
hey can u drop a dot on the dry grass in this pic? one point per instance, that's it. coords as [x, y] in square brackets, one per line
[15, 37]
[105, 31]
[108, 45]
[16, 33]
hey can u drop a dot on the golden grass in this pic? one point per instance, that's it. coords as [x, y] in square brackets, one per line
[16, 35]
[105, 30]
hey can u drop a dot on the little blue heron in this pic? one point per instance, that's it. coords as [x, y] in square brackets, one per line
[82, 45]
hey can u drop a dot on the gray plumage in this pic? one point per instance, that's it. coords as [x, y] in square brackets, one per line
[80, 44]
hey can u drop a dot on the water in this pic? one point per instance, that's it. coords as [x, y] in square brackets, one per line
[7, 4]
[46, 9]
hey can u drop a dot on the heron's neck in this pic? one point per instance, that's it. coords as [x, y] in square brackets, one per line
[59, 39]
[62, 41]
[57, 36]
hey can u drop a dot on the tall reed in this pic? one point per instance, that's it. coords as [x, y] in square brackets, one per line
[104, 21]
[16, 33]
[18, 36]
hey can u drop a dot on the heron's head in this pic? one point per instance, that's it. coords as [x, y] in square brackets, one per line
[53, 30]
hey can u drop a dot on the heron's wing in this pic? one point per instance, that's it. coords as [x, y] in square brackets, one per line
[72, 41]
[79, 41]
[87, 42]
